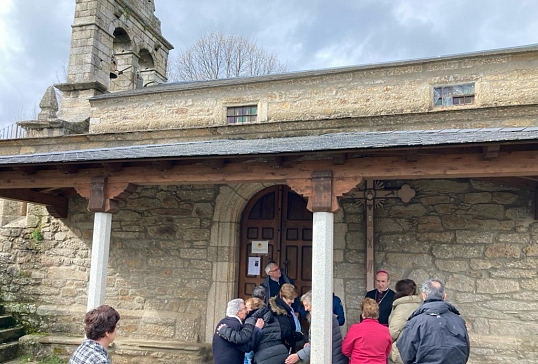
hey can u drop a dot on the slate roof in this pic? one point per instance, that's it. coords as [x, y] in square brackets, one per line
[347, 141]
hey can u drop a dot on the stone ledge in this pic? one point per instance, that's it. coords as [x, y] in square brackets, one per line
[122, 350]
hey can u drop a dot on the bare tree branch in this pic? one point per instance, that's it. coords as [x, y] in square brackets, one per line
[217, 55]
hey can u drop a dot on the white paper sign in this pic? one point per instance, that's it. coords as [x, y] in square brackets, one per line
[254, 266]
[260, 247]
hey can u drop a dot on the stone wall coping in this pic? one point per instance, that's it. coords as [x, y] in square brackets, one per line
[180, 86]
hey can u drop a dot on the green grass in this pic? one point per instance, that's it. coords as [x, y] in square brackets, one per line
[52, 359]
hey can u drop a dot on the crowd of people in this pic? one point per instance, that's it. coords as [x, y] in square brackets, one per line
[402, 326]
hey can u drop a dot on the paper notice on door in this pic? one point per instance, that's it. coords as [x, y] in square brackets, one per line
[254, 266]
[260, 247]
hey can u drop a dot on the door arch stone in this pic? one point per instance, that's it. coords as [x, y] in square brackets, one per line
[224, 248]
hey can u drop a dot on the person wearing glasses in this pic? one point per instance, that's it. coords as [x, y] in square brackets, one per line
[274, 280]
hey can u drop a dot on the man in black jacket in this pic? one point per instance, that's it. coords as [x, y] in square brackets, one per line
[435, 332]
[225, 352]
[274, 281]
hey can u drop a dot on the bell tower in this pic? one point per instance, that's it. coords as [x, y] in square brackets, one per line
[116, 45]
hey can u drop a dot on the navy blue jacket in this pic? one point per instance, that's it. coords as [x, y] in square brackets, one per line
[272, 289]
[338, 310]
[225, 352]
[434, 334]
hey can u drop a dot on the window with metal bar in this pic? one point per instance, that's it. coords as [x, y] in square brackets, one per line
[456, 95]
[242, 114]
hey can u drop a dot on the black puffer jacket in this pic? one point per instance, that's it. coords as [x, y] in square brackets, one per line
[282, 313]
[269, 349]
[435, 333]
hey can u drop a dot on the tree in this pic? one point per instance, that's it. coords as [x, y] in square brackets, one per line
[217, 55]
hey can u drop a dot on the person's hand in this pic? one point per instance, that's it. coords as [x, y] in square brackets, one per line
[297, 314]
[220, 327]
[260, 323]
[293, 358]
[306, 344]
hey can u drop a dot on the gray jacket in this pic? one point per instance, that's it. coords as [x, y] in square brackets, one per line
[434, 334]
[338, 357]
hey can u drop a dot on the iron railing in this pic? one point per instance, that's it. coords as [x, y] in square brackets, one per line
[13, 131]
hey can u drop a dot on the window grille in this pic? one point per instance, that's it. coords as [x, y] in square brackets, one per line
[454, 95]
[242, 114]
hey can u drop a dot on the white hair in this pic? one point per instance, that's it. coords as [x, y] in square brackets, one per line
[234, 306]
[268, 267]
[307, 297]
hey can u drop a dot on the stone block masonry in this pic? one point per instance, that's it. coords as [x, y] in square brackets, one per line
[479, 238]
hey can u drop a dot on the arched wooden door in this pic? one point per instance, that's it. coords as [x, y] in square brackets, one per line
[279, 216]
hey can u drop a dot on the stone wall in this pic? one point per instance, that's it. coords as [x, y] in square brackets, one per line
[391, 89]
[159, 268]
[479, 238]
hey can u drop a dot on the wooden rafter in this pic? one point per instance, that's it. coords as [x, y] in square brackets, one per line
[56, 205]
[519, 163]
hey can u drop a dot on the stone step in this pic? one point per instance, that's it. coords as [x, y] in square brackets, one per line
[6, 321]
[8, 351]
[11, 334]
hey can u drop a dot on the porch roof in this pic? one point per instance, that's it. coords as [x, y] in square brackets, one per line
[338, 142]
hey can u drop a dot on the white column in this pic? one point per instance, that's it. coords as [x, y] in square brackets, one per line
[99, 264]
[322, 288]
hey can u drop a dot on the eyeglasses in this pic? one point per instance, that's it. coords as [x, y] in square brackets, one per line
[274, 270]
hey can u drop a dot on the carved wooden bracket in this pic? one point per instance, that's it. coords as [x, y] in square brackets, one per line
[104, 196]
[323, 190]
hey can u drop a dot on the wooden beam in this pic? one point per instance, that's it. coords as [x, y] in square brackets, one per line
[215, 163]
[411, 155]
[491, 151]
[520, 163]
[339, 159]
[56, 205]
[164, 165]
[26, 170]
[322, 192]
[68, 168]
[275, 161]
[113, 166]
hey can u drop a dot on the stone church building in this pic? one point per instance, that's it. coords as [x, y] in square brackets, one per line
[163, 200]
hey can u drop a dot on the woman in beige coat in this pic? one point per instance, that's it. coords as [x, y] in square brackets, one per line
[406, 301]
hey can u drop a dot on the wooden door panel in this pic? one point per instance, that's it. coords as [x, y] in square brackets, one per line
[279, 216]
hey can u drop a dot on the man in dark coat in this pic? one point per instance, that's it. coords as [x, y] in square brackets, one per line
[225, 352]
[383, 295]
[272, 283]
[274, 280]
[338, 310]
[435, 332]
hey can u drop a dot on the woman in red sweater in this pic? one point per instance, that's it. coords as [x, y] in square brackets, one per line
[368, 342]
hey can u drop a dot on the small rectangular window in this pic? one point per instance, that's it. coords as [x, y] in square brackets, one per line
[454, 95]
[242, 114]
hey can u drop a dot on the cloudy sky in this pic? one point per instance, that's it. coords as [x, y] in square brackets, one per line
[305, 34]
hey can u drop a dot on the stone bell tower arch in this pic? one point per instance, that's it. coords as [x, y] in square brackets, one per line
[106, 43]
